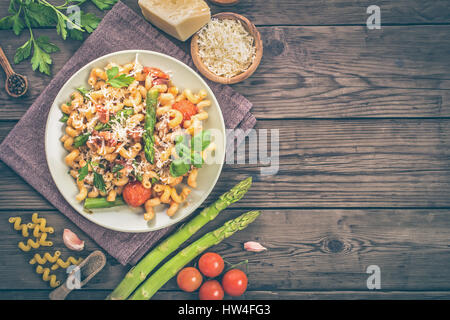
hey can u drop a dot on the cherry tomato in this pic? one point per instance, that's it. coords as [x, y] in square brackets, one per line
[187, 108]
[189, 279]
[235, 282]
[135, 194]
[211, 264]
[155, 72]
[211, 290]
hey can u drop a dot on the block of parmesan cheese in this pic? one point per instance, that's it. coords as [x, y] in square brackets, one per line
[179, 18]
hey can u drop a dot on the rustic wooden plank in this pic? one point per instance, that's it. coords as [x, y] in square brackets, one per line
[249, 295]
[393, 72]
[306, 12]
[326, 163]
[308, 250]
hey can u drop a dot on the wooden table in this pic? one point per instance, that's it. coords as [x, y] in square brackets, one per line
[364, 179]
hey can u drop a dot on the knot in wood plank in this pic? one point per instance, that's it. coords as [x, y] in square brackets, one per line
[274, 47]
[334, 245]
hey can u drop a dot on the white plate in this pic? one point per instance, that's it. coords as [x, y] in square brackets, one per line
[125, 218]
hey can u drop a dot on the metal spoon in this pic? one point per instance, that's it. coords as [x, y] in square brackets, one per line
[12, 76]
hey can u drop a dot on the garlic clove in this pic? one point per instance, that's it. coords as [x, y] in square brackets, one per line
[254, 246]
[72, 241]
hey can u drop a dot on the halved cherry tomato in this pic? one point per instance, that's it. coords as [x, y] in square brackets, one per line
[187, 108]
[235, 282]
[135, 194]
[155, 72]
[189, 279]
[211, 290]
[211, 264]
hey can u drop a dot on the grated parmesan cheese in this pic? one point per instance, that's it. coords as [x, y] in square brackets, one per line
[225, 47]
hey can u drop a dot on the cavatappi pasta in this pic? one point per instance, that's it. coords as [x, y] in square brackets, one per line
[40, 232]
[46, 276]
[65, 264]
[18, 225]
[46, 258]
[108, 136]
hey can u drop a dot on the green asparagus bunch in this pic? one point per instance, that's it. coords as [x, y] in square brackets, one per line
[171, 268]
[149, 125]
[139, 272]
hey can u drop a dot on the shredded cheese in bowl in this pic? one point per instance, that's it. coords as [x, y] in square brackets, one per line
[225, 47]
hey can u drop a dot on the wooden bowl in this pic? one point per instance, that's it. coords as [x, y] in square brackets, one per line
[225, 2]
[251, 29]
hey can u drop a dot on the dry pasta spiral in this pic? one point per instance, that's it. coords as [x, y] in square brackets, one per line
[46, 258]
[46, 276]
[18, 225]
[65, 264]
[30, 244]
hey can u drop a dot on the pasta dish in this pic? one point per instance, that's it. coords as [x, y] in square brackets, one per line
[133, 137]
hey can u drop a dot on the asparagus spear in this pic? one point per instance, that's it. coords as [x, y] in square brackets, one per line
[149, 125]
[96, 203]
[139, 272]
[171, 267]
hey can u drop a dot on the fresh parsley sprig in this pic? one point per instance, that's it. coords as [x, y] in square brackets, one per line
[29, 14]
[118, 81]
[83, 172]
[99, 183]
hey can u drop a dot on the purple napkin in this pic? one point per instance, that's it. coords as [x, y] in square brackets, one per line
[23, 148]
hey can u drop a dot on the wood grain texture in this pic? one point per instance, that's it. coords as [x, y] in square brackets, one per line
[311, 250]
[249, 295]
[336, 12]
[325, 163]
[364, 175]
[316, 72]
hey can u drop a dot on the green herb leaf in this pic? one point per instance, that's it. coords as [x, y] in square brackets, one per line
[121, 81]
[18, 24]
[104, 4]
[112, 72]
[12, 7]
[61, 27]
[89, 21]
[6, 23]
[40, 60]
[99, 183]
[117, 168]
[118, 81]
[23, 52]
[46, 45]
[64, 118]
[197, 159]
[201, 141]
[76, 34]
[179, 167]
[40, 15]
[83, 91]
[81, 140]
[83, 172]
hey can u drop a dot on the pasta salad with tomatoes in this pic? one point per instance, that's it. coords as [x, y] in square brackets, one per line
[133, 137]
